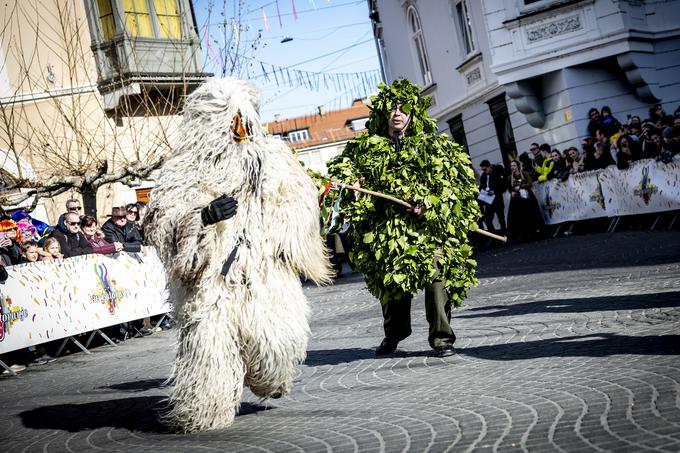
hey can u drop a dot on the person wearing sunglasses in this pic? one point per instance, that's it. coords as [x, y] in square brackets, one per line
[120, 229]
[72, 205]
[71, 240]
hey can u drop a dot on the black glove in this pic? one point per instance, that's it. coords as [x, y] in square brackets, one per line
[219, 209]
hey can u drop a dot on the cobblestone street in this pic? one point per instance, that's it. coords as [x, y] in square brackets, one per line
[570, 344]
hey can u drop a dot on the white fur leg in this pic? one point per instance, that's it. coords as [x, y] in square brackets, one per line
[208, 372]
[275, 342]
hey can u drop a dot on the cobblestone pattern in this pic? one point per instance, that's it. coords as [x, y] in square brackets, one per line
[565, 345]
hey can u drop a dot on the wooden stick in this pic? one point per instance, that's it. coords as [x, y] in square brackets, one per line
[336, 186]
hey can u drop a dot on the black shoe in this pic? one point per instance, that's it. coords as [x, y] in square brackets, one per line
[444, 351]
[387, 346]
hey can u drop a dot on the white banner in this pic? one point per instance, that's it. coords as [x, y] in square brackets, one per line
[49, 300]
[577, 198]
[647, 186]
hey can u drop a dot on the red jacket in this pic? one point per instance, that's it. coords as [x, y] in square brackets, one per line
[100, 245]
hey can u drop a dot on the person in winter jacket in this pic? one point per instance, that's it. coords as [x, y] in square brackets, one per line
[96, 238]
[118, 229]
[71, 240]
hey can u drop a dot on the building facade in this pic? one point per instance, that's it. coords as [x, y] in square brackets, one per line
[91, 87]
[318, 138]
[505, 73]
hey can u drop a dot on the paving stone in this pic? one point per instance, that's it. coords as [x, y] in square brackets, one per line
[565, 344]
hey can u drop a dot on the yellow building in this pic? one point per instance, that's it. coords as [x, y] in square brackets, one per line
[89, 94]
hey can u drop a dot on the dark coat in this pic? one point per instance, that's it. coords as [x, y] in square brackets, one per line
[72, 244]
[128, 235]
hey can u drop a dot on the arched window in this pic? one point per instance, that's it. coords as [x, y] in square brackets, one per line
[419, 45]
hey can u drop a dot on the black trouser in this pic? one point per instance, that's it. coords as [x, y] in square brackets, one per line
[497, 208]
[397, 316]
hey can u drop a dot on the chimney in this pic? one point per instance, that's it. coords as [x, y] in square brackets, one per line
[321, 109]
[277, 117]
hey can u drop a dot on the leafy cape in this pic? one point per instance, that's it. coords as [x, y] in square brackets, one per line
[400, 252]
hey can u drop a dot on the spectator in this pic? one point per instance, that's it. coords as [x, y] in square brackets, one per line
[491, 187]
[95, 238]
[51, 250]
[670, 144]
[133, 216]
[594, 123]
[72, 205]
[650, 141]
[527, 163]
[524, 216]
[545, 151]
[10, 237]
[535, 155]
[559, 170]
[141, 207]
[596, 158]
[656, 115]
[575, 162]
[29, 252]
[71, 240]
[610, 125]
[118, 229]
[627, 152]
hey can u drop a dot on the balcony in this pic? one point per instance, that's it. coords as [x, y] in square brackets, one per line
[144, 47]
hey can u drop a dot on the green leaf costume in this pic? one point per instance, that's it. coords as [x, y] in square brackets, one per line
[397, 250]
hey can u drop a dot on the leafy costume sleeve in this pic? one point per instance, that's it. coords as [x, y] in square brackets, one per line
[400, 252]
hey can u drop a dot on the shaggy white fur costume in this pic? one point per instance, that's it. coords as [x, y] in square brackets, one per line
[251, 326]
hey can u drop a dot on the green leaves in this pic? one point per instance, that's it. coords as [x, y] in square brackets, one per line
[395, 249]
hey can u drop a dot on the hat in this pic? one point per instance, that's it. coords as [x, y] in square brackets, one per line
[118, 211]
[667, 132]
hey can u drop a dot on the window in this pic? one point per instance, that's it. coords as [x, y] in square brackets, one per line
[464, 26]
[298, 136]
[419, 45]
[458, 131]
[501, 121]
[358, 125]
[168, 18]
[137, 18]
[106, 19]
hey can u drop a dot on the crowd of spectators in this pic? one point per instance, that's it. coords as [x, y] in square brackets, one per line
[609, 142]
[24, 239]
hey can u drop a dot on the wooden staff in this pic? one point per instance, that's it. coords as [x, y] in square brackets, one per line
[336, 186]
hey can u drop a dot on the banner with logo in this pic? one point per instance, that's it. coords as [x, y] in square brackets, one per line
[577, 198]
[50, 300]
[647, 186]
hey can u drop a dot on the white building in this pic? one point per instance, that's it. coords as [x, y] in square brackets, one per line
[506, 73]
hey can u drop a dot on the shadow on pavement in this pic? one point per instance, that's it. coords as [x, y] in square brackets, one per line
[137, 386]
[592, 251]
[336, 356]
[139, 413]
[595, 345]
[582, 305]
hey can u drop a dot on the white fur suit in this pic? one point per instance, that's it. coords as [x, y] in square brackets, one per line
[249, 327]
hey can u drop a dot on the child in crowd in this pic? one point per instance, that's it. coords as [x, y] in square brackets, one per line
[29, 252]
[51, 250]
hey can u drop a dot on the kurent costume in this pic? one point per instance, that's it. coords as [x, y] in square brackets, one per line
[234, 282]
[398, 251]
